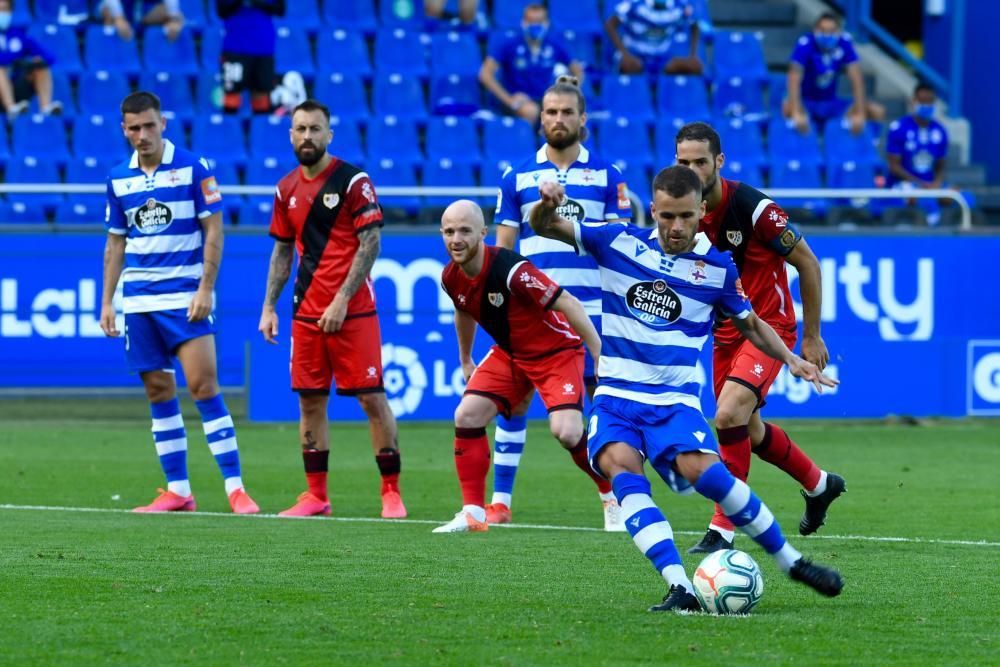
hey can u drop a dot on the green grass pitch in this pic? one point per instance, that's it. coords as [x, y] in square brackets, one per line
[110, 587]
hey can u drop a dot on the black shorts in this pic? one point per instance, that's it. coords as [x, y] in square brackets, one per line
[241, 71]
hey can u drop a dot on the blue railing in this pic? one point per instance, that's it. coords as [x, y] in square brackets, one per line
[863, 27]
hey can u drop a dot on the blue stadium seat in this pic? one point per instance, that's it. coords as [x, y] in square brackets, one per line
[393, 137]
[738, 97]
[4, 145]
[850, 174]
[583, 15]
[351, 15]
[346, 142]
[454, 138]
[507, 13]
[174, 91]
[785, 142]
[628, 97]
[344, 94]
[99, 137]
[269, 136]
[620, 138]
[444, 172]
[841, 145]
[581, 48]
[101, 92]
[62, 90]
[739, 54]
[292, 53]
[455, 95]
[777, 87]
[62, 43]
[104, 50]
[741, 140]
[681, 46]
[195, 16]
[747, 171]
[22, 212]
[208, 95]
[41, 137]
[793, 173]
[637, 178]
[338, 50]
[506, 140]
[78, 211]
[497, 36]
[269, 170]
[176, 56]
[256, 211]
[89, 169]
[407, 14]
[301, 17]
[388, 172]
[220, 138]
[666, 139]
[63, 12]
[682, 97]
[401, 51]
[399, 95]
[455, 52]
[34, 169]
[211, 47]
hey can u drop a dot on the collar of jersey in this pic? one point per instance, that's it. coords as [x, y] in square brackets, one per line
[583, 157]
[168, 155]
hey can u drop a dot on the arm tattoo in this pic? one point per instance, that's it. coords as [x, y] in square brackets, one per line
[371, 242]
[278, 272]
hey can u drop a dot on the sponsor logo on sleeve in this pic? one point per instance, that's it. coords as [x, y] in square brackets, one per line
[788, 238]
[210, 190]
[623, 200]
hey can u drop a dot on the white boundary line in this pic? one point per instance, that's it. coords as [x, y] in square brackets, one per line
[530, 526]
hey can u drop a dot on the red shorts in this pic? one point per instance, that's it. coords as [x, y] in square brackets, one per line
[742, 362]
[350, 358]
[557, 377]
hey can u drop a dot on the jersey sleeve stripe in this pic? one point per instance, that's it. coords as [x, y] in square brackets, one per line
[283, 239]
[761, 205]
[373, 223]
[513, 270]
[553, 300]
[355, 179]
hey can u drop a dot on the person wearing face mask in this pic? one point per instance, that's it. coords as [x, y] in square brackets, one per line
[24, 68]
[527, 64]
[816, 64]
[648, 30]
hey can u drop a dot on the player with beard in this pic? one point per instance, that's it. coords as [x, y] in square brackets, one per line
[595, 193]
[328, 209]
[757, 232]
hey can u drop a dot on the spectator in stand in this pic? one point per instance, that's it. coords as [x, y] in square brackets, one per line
[528, 63]
[147, 12]
[24, 68]
[816, 64]
[916, 150]
[648, 30]
[457, 13]
[248, 51]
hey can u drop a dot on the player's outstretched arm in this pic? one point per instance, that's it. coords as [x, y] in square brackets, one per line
[465, 329]
[114, 259]
[760, 333]
[277, 276]
[544, 219]
[570, 306]
[811, 287]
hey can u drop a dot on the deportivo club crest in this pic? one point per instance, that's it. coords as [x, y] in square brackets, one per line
[331, 199]
[734, 236]
[495, 299]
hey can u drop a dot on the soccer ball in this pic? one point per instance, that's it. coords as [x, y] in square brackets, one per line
[728, 582]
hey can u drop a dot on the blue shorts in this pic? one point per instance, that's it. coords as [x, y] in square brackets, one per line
[588, 361]
[820, 111]
[658, 432]
[152, 339]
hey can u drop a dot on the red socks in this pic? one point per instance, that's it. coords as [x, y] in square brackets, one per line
[734, 449]
[316, 464]
[472, 461]
[579, 454]
[778, 449]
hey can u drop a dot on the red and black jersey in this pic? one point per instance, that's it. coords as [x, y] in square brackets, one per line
[511, 299]
[757, 232]
[323, 216]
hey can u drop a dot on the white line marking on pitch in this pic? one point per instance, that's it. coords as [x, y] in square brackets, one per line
[530, 526]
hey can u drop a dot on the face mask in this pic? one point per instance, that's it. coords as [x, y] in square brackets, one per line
[535, 31]
[924, 111]
[826, 42]
[5, 18]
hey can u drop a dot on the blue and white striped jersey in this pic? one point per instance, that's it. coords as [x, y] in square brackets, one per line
[595, 192]
[658, 311]
[159, 216]
[648, 30]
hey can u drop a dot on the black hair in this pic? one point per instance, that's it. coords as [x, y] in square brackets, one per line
[827, 16]
[923, 85]
[314, 105]
[140, 101]
[699, 131]
[678, 181]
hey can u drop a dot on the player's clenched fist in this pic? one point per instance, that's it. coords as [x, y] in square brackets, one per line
[551, 194]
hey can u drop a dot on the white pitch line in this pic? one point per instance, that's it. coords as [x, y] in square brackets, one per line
[529, 526]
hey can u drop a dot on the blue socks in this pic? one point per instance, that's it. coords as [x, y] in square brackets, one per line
[508, 444]
[221, 436]
[171, 445]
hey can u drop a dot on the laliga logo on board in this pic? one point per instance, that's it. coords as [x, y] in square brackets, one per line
[983, 396]
[404, 378]
[54, 313]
